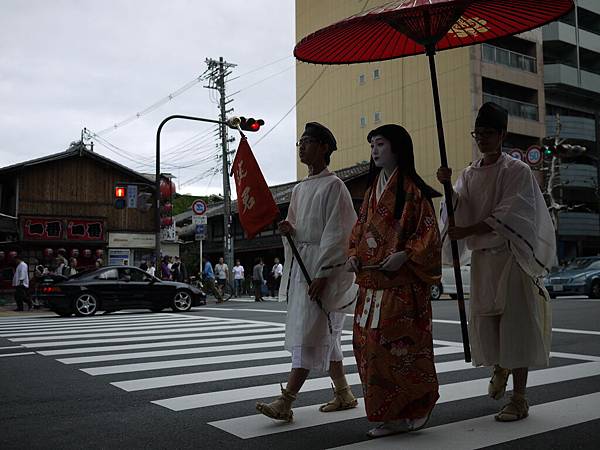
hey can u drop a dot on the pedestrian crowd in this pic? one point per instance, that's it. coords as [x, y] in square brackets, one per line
[380, 265]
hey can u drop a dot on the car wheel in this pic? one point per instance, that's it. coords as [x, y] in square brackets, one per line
[85, 304]
[436, 291]
[156, 310]
[595, 290]
[182, 301]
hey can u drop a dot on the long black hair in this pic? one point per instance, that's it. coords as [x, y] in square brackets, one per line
[402, 148]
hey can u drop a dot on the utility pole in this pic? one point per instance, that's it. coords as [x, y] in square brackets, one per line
[217, 72]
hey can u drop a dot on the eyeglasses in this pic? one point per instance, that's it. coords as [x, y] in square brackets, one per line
[485, 134]
[305, 141]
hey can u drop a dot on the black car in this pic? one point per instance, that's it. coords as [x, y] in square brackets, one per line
[580, 277]
[113, 288]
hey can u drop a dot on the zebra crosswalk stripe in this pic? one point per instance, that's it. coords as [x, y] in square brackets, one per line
[161, 330]
[484, 431]
[148, 338]
[256, 425]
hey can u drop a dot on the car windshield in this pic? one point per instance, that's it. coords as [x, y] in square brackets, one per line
[582, 263]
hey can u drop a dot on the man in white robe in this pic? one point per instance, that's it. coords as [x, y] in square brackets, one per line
[320, 220]
[501, 215]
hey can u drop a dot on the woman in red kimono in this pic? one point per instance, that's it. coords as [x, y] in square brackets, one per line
[395, 251]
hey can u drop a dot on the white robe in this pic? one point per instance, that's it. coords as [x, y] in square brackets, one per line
[507, 264]
[322, 215]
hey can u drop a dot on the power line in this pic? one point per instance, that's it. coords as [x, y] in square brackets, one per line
[155, 105]
[260, 68]
[261, 81]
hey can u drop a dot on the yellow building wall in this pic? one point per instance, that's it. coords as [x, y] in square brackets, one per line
[401, 95]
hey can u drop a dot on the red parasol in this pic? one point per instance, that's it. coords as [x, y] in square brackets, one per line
[412, 27]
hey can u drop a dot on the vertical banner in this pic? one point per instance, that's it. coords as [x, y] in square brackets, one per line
[256, 207]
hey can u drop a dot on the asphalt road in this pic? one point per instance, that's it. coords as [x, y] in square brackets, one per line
[141, 380]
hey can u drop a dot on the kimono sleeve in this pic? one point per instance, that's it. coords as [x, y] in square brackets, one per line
[339, 218]
[460, 200]
[521, 217]
[358, 228]
[424, 245]
[287, 251]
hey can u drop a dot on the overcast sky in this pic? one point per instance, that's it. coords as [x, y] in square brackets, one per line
[69, 64]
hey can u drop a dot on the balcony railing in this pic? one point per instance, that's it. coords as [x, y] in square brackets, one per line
[497, 55]
[515, 108]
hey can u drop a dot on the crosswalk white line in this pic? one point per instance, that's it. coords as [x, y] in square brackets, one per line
[16, 354]
[309, 416]
[191, 362]
[84, 320]
[229, 374]
[173, 352]
[164, 325]
[203, 400]
[158, 332]
[149, 338]
[8, 348]
[485, 431]
[100, 326]
[170, 343]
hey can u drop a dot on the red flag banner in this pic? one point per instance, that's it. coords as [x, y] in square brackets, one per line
[256, 207]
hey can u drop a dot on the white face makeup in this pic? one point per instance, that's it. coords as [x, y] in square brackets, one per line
[381, 152]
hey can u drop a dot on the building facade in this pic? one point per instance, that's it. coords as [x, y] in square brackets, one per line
[65, 203]
[354, 99]
[572, 85]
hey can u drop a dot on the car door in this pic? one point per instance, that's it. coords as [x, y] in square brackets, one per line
[106, 286]
[134, 288]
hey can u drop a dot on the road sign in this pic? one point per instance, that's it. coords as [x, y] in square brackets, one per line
[200, 234]
[516, 153]
[132, 193]
[199, 220]
[534, 155]
[199, 207]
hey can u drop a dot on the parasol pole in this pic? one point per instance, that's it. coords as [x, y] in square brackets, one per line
[448, 190]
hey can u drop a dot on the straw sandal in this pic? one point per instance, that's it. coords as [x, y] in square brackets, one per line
[280, 409]
[516, 409]
[344, 399]
[497, 386]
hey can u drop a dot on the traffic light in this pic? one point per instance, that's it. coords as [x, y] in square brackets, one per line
[549, 151]
[251, 124]
[120, 193]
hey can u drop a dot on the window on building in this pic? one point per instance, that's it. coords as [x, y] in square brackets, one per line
[377, 117]
[376, 74]
[361, 78]
[363, 121]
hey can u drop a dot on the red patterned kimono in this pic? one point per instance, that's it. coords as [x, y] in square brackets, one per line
[393, 343]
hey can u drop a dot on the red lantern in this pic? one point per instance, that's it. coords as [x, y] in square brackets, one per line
[87, 253]
[167, 189]
[99, 253]
[166, 221]
[167, 208]
[74, 253]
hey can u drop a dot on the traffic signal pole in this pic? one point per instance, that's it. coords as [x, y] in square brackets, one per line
[157, 181]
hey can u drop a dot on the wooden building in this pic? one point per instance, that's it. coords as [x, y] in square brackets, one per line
[66, 201]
